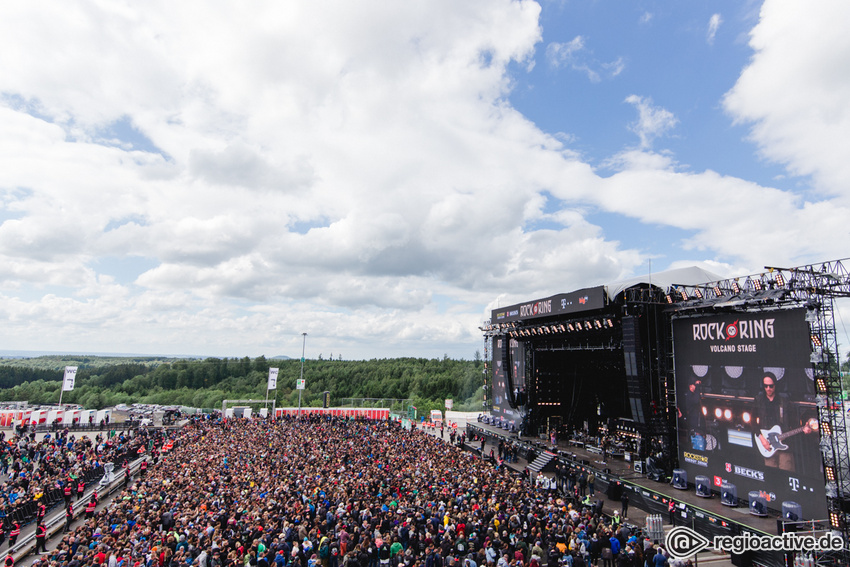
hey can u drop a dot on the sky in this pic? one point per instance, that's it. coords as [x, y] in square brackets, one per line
[217, 178]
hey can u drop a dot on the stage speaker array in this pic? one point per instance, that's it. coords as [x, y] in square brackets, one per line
[635, 372]
[728, 494]
[615, 491]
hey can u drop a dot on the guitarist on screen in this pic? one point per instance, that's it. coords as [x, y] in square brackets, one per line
[772, 417]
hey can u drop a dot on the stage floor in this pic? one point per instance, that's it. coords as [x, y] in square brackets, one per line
[618, 469]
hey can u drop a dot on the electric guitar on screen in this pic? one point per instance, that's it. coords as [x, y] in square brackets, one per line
[769, 441]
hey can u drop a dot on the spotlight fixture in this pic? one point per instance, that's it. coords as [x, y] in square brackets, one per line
[717, 291]
[736, 288]
[587, 325]
[669, 299]
[820, 383]
[835, 520]
[570, 327]
[829, 472]
[757, 284]
[597, 323]
[780, 279]
[816, 340]
[826, 428]
[684, 295]
[698, 293]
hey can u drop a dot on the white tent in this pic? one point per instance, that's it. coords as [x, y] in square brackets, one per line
[692, 275]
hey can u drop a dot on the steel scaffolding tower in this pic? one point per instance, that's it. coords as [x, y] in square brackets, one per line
[816, 286]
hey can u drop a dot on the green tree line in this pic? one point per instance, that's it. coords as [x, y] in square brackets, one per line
[205, 383]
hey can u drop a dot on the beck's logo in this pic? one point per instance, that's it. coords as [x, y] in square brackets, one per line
[745, 472]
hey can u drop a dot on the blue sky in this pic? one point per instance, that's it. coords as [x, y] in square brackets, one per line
[382, 175]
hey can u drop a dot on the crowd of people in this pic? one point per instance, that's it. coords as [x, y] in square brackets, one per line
[35, 469]
[332, 492]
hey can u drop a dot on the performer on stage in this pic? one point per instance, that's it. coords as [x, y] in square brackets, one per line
[773, 410]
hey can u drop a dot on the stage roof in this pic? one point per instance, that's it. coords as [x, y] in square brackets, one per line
[692, 275]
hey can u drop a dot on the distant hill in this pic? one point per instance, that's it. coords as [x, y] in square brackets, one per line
[45, 353]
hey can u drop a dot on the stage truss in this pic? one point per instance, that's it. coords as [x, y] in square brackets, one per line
[816, 286]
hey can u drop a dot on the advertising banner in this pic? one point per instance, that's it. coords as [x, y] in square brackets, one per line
[746, 406]
[561, 304]
[69, 378]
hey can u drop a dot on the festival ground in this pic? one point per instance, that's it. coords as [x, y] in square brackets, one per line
[645, 496]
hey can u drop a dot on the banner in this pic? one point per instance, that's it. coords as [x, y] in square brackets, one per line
[273, 378]
[69, 379]
[747, 410]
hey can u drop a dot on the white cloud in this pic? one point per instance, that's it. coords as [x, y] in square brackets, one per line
[652, 122]
[560, 54]
[356, 173]
[574, 55]
[713, 24]
[794, 93]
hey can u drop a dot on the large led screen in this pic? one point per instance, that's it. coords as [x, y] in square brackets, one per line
[746, 406]
[501, 384]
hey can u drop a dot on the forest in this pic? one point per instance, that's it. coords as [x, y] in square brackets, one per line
[204, 383]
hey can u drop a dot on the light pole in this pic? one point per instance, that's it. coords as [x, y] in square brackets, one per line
[303, 346]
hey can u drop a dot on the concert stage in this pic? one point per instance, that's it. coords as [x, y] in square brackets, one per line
[724, 385]
[706, 515]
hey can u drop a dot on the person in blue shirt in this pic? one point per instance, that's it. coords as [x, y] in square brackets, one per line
[615, 545]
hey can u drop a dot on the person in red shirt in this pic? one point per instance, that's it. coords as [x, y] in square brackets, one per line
[14, 533]
[90, 507]
[69, 517]
[40, 538]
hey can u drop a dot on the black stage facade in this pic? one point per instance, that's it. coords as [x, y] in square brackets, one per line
[725, 386]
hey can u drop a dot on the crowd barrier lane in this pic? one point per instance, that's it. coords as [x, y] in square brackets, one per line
[56, 523]
[25, 514]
